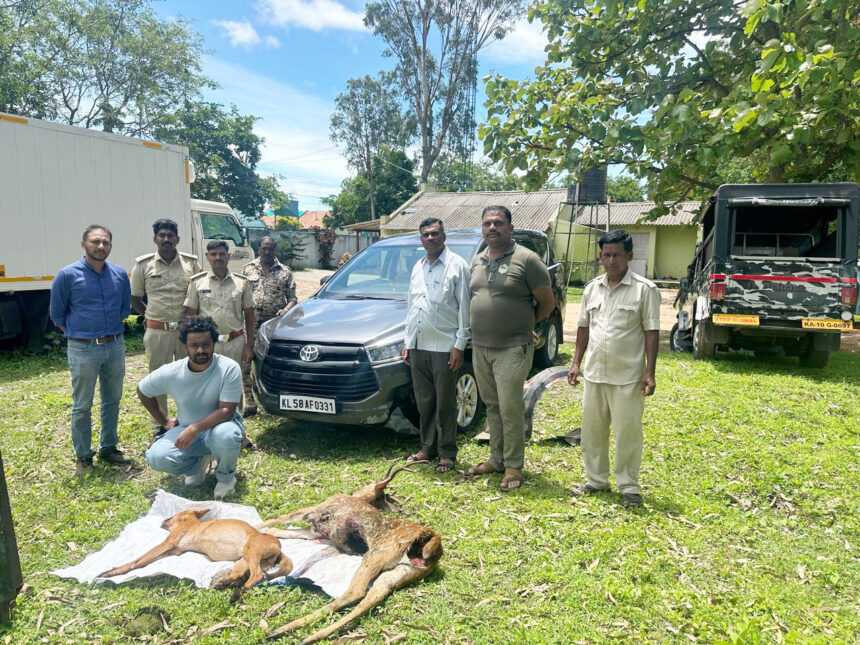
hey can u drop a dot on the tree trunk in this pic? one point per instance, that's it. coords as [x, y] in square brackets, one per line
[775, 174]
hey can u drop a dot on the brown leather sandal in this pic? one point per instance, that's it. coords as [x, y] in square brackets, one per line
[512, 480]
[484, 468]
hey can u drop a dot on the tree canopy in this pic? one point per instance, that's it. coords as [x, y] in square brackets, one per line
[225, 151]
[367, 117]
[395, 183]
[670, 89]
[110, 64]
[449, 171]
[435, 45]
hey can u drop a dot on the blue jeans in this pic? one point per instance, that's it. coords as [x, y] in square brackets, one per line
[223, 442]
[88, 362]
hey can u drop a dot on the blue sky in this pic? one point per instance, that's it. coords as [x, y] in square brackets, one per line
[286, 60]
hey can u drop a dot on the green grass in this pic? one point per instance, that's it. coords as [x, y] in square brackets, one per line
[574, 294]
[749, 533]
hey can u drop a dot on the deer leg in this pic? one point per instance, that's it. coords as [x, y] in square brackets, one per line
[296, 534]
[295, 516]
[233, 576]
[387, 583]
[168, 547]
[356, 591]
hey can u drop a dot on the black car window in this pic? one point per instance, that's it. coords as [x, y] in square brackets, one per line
[533, 243]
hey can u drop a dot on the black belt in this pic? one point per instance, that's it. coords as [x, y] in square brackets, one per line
[104, 340]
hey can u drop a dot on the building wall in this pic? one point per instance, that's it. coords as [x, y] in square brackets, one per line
[675, 248]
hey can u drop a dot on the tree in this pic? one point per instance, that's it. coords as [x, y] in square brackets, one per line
[366, 118]
[449, 170]
[624, 189]
[110, 64]
[436, 44]
[671, 89]
[225, 150]
[395, 183]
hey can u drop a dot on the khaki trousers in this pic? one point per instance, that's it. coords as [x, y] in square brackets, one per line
[233, 349]
[162, 346]
[501, 373]
[434, 385]
[620, 406]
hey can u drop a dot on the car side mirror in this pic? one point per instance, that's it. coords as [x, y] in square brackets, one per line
[324, 279]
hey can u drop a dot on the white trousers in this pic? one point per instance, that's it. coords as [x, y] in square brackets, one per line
[620, 406]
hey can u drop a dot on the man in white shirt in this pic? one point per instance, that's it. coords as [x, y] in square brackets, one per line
[437, 332]
[619, 325]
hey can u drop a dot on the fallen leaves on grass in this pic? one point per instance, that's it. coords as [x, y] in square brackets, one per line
[224, 624]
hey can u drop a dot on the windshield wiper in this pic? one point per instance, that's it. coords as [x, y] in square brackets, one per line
[357, 296]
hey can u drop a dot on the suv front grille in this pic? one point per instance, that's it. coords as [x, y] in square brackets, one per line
[341, 371]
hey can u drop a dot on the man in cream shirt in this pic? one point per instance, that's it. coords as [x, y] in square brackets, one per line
[619, 324]
[437, 332]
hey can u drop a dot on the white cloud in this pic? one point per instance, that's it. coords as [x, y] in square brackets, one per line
[310, 14]
[524, 44]
[243, 34]
[295, 125]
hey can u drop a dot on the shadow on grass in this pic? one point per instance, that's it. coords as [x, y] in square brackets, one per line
[843, 366]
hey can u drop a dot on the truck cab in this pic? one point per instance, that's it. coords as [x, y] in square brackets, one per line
[776, 268]
[217, 221]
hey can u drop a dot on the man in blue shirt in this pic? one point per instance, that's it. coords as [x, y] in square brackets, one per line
[207, 388]
[89, 301]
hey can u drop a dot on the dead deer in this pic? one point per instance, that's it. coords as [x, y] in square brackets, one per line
[219, 540]
[395, 552]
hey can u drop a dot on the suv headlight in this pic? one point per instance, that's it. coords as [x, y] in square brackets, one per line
[385, 353]
[261, 341]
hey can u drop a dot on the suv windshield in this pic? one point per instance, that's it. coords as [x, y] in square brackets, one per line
[383, 271]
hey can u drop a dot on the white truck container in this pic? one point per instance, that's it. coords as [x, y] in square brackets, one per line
[55, 180]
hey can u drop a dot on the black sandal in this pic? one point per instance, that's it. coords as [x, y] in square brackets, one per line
[445, 466]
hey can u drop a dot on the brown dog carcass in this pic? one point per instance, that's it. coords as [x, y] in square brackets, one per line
[394, 552]
[219, 540]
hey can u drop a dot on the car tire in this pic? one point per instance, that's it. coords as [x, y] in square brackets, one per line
[702, 348]
[816, 358]
[676, 340]
[469, 404]
[547, 355]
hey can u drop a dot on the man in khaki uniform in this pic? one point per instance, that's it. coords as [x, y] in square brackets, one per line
[507, 280]
[274, 291]
[619, 324]
[226, 298]
[163, 278]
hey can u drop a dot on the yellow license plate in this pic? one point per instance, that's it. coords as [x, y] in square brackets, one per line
[735, 319]
[826, 323]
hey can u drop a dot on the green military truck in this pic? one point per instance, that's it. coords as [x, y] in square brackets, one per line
[776, 267]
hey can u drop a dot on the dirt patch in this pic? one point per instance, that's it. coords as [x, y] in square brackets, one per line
[308, 281]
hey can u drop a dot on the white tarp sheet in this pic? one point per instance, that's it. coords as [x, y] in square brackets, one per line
[314, 561]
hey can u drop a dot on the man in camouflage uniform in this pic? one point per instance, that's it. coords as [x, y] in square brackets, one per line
[274, 292]
[226, 298]
[162, 278]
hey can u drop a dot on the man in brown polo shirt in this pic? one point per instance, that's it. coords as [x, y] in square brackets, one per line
[619, 324]
[162, 278]
[507, 280]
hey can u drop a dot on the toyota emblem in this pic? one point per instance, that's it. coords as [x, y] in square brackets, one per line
[309, 353]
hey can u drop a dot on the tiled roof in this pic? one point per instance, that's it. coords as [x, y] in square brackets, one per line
[629, 213]
[533, 210]
[309, 219]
